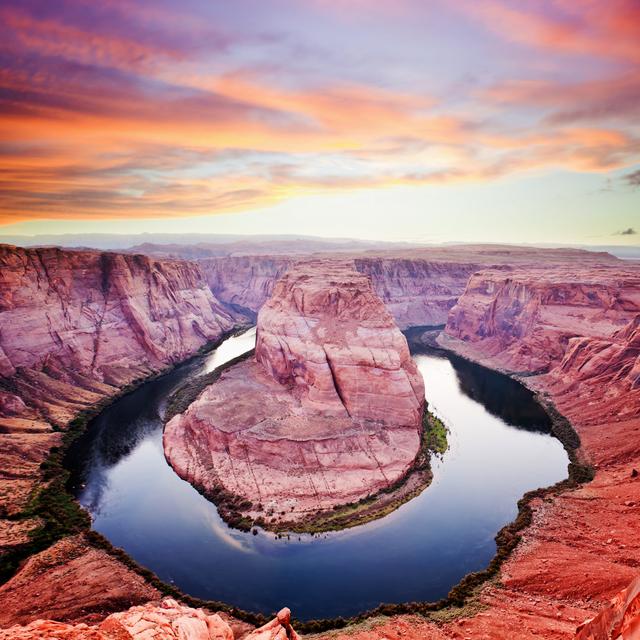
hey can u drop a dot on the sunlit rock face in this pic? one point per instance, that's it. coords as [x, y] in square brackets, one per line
[527, 319]
[327, 412]
[327, 334]
[620, 620]
[167, 620]
[76, 325]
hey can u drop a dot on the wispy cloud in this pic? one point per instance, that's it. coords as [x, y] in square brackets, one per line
[120, 109]
[632, 179]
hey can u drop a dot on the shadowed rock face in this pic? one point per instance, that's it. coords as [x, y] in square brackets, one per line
[328, 412]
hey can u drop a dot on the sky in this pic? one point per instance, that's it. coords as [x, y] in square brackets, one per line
[419, 120]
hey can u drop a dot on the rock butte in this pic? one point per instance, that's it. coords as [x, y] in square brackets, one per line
[582, 547]
[328, 412]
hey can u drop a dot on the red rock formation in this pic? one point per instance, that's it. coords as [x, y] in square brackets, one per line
[417, 291]
[71, 581]
[620, 620]
[75, 327]
[419, 286]
[582, 547]
[328, 412]
[523, 318]
[85, 320]
[245, 281]
[167, 620]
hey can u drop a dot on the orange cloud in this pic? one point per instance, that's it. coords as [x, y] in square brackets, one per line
[112, 123]
[593, 28]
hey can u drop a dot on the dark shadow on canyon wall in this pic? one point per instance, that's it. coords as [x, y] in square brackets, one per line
[501, 396]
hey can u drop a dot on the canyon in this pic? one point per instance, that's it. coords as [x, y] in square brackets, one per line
[78, 326]
[327, 413]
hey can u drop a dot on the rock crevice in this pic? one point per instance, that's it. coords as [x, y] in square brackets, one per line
[328, 412]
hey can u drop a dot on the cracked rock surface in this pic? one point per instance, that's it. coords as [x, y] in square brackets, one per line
[327, 412]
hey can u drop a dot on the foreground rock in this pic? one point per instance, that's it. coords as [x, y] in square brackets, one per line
[619, 620]
[71, 580]
[328, 412]
[167, 620]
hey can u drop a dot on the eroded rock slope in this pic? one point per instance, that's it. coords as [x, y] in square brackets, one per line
[328, 411]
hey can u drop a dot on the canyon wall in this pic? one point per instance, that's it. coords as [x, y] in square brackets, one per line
[76, 327]
[328, 412]
[416, 291]
[245, 282]
[419, 286]
[524, 318]
[74, 324]
[570, 332]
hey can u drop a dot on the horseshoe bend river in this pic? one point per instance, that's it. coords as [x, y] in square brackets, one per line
[500, 447]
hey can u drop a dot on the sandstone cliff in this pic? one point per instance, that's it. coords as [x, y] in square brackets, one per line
[572, 334]
[417, 291]
[419, 286]
[328, 412]
[75, 323]
[524, 318]
[75, 327]
[581, 548]
[245, 282]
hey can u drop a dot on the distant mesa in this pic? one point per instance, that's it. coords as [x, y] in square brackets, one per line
[328, 411]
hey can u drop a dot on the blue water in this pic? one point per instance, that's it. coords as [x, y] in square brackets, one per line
[500, 447]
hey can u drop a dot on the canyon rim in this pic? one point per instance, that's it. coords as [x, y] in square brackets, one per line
[319, 319]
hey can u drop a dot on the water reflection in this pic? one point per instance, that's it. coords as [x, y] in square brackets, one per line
[499, 449]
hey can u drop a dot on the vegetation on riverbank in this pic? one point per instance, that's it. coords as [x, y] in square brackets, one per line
[51, 505]
[62, 516]
[372, 507]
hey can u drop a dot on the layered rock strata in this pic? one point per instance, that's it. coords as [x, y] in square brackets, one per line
[419, 286]
[329, 410]
[619, 620]
[75, 328]
[580, 550]
[75, 324]
[582, 547]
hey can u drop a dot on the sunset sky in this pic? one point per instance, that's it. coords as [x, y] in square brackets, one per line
[389, 119]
